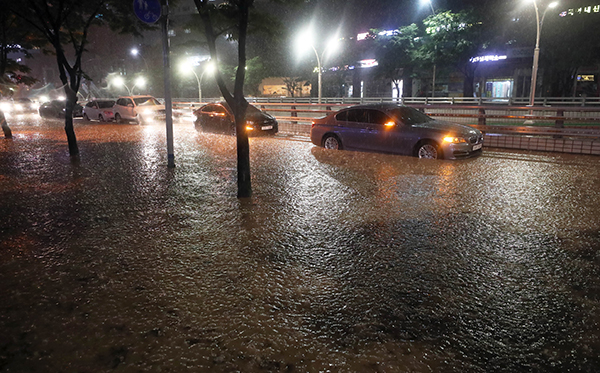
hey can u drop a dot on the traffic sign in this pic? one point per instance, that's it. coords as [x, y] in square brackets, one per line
[148, 11]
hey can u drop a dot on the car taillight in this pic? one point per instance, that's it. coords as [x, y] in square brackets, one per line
[312, 125]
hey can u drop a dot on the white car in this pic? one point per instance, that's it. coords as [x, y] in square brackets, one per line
[99, 109]
[140, 109]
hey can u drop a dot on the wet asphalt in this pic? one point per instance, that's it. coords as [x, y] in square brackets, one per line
[340, 262]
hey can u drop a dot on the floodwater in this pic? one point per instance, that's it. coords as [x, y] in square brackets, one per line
[340, 262]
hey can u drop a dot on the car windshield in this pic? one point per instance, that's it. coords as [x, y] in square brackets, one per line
[105, 104]
[146, 101]
[408, 115]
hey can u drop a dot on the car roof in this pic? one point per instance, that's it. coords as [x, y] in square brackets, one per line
[380, 106]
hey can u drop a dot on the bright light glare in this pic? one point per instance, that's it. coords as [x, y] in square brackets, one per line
[118, 81]
[5, 106]
[553, 4]
[389, 124]
[333, 44]
[185, 67]
[134, 51]
[210, 68]
[43, 98]
[304, 41]
[140, 81]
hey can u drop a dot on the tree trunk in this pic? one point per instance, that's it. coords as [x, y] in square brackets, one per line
[69, 130]
[243, 150]
[5, 127]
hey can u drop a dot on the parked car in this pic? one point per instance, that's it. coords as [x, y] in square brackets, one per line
[18, 106]
[100, 109]
[398, 129]
[56, 109]
[218, 117]
[140, 109]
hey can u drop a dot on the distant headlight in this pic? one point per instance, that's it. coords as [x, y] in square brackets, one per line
[5, 107]
[18, 107]
[455, 140]
[249, 128]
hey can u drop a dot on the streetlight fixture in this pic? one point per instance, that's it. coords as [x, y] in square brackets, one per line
[536, 51]
[119, 81]
[306, 40]
[135, 52]
[186, 66]
[140, 81]
[434, 64]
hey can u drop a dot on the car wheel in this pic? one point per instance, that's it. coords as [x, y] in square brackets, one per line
[100, 118]
[332, 142]
[118, 118]
[85, 117]
[429, 150]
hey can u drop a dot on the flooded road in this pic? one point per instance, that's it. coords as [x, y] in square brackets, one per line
[341, 261]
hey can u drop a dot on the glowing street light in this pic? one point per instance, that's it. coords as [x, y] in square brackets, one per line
[305, 40]
[119, 81]
[135, 52]
[430, 4]
[536, 51]
[186, 67]
[140, 81]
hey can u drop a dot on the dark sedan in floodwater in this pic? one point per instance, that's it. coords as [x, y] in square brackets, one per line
[56, 109]
[218, 117]
[398, 129]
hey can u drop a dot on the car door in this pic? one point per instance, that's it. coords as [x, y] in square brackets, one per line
[352, 128]
[385, 134]
[129, 108]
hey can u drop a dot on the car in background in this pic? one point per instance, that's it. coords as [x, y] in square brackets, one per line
[139, 109]
[99, 109]
[18, 106]
[391, 128]
[56, 109]
[218, 118]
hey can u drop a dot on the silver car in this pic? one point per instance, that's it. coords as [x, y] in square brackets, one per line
[391, 128]
[99, 109]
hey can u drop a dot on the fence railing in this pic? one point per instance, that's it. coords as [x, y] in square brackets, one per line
[480, 101]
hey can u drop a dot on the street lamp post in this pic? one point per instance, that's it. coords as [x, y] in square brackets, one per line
[119, 81]
[136, 52]
[536, 51]
[140, 81]
[185, 67]
[434, 64]
[305, 39]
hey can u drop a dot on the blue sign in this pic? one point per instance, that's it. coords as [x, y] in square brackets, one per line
[147, 10]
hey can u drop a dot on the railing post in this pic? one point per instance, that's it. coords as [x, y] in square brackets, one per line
[559, 123]
[294, 113]
[481, 117]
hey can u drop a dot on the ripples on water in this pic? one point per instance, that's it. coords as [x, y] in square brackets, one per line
[341, 261]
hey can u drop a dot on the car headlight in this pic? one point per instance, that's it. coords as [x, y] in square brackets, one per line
[18, 107]
[455, 140]
[6, 107]
[249, 128]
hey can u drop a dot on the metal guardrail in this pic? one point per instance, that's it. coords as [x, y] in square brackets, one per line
[489, 119]
[479, 101]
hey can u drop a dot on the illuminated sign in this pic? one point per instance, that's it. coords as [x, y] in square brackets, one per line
[368, 35]
[489, 58]
[585, 78]
[589, 9]
[368, 63]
